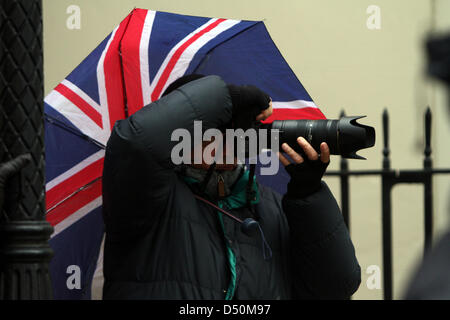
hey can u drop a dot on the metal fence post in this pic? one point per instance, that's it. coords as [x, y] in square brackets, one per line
[390, 178]
[24, 249]
[345, 186]
[386, 211]
[428, 187]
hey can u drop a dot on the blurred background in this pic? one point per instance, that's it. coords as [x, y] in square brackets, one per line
[357, 55]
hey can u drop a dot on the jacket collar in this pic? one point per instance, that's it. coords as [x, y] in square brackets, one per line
[238, 194]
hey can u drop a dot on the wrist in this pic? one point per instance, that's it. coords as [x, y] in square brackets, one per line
[301, 191]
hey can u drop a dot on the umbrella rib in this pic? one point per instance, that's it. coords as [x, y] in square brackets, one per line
[64, 126]
[73, 194]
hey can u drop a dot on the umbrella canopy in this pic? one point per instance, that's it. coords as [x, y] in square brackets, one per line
[131, 68]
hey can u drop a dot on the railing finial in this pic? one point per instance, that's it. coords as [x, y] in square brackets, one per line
[386, 151]
[427, 150]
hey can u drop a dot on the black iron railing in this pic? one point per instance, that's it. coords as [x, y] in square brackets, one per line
[390, 178]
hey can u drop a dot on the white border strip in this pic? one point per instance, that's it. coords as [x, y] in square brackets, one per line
[98, 279]
[143, 56]
[75, 169]
[296, 104]
[103, 95]
[172, 52]
[64, 106]
[187, 56]
[81, 94]
[77, 215]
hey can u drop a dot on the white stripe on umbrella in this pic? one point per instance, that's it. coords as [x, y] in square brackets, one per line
[143, 56]
[81, 94]
[79, 119]
[75, 169]
[187, 56]
[102, 88]
[77, 215]
[184, 60]
[296, 104]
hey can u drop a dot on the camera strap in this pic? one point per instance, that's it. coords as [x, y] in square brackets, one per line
[248, 226]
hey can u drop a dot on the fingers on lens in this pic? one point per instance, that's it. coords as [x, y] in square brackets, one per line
[324, 152]
[283, 159]
[291, 153]
[309, 150]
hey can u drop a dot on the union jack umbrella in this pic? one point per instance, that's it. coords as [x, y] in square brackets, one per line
[128, 70]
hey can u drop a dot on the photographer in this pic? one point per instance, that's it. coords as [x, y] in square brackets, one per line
[164, 242]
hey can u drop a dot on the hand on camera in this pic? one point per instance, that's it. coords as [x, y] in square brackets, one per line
[306, 172]
[250, 105]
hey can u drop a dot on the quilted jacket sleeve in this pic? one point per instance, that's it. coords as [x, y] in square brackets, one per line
[138, 171]
[323, 258]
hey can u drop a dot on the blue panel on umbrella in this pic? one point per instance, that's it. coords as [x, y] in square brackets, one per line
[251, 57]
[219, 40]
[63, 148]
[77, 246]
[169, 29]
[85, 75]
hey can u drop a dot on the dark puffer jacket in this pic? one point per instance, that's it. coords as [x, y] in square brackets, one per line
[163, 243]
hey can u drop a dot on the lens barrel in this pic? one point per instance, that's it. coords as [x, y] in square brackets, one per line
[344, 136]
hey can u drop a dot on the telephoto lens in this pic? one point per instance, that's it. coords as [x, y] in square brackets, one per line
[344, 136]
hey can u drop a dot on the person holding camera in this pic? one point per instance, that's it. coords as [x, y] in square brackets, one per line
[211, 231]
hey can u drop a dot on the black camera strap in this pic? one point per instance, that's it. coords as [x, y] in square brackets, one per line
[248, 226]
